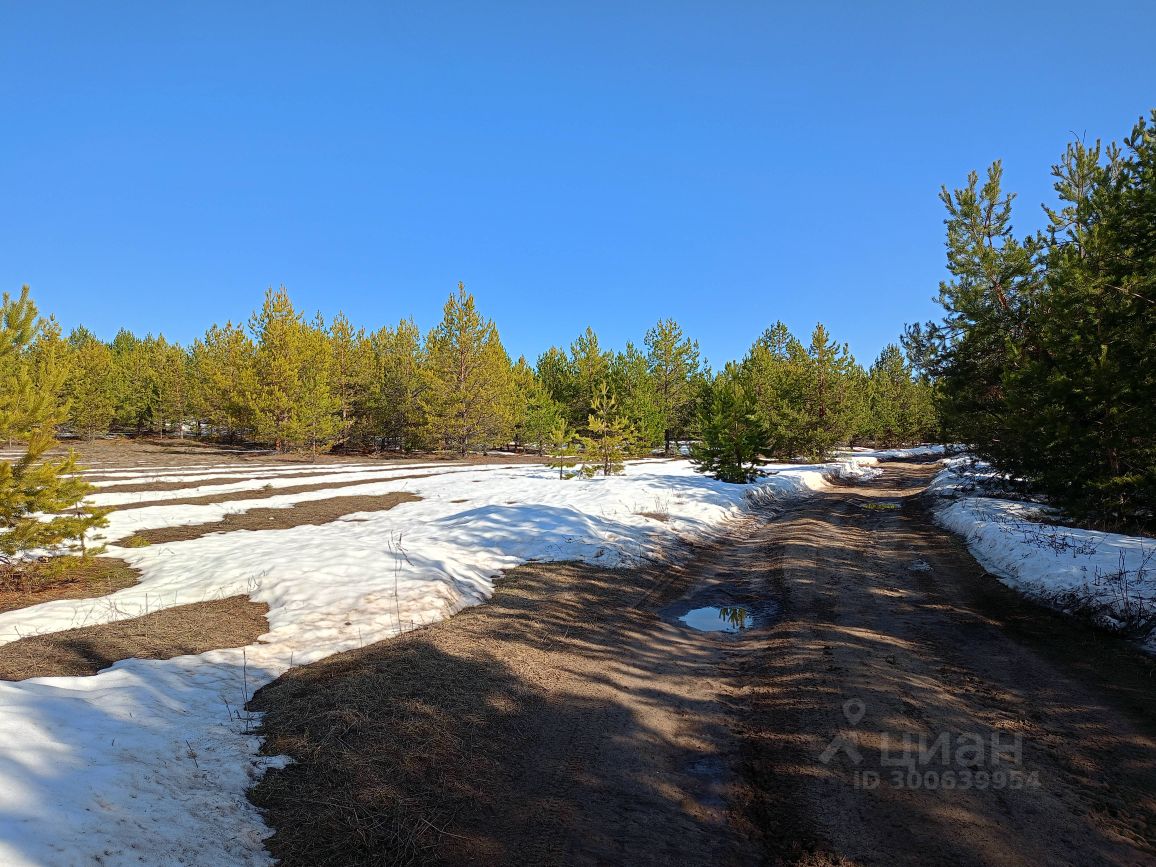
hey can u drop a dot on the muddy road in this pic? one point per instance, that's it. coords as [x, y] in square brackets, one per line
[888, 704]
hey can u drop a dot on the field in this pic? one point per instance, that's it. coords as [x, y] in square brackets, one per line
[250, 565]
[262, 664]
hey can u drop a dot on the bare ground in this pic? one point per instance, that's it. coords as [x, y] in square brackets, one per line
[184, 629]
[309, 512]
[574, 720]
[263, 493]
[161, 452]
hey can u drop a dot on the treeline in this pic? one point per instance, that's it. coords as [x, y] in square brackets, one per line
[1046, 356]
[303, 383]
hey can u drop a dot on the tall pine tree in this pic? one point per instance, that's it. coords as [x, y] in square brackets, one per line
[470, 392]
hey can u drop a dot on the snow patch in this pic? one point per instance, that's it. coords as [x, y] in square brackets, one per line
[149, 761]
[1106, 577]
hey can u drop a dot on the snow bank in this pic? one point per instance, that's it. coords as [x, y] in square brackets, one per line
[1108, 577]
[858, 469]
[923, 451]
[149, 760]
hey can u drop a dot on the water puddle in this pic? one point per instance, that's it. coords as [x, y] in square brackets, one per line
[723, 609]
[719, 619]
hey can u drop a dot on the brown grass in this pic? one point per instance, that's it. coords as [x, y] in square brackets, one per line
[312, 512]
[120, 485]
[62, 578]
[185, 629]
[389, 742]
[439, 746]
[262, 493]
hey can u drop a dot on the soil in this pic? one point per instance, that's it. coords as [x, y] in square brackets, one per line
[309, 512]
[575, 719]
[185, 629]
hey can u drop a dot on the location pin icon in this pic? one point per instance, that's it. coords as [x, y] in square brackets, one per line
[854, 709]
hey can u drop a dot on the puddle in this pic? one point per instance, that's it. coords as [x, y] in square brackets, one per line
[712, 619]
[723, 609]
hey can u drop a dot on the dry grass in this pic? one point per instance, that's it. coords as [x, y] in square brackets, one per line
[52, 578]
[262, 493]
[454, 743]
[196, 628]
[394, 742]
[312, 512]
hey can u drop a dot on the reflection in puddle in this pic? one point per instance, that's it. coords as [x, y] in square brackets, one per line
[718, 619]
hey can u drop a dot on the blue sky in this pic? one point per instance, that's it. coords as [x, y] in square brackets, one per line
[594, 163]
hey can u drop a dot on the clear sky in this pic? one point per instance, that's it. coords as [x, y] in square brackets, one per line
[575, 163]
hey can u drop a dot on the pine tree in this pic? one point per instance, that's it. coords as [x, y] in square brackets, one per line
[563, 450]
[276, 331]
[994, 282]
[174, 386]
[900, 408]
[393, 411]
[732, 438]
[674, 361]
[30, 384]
[136, 395]
[638, 400]
[589, 367]
[316, 418]
[609, 436]
[351, 370]
[556, 373]
[775, 373]
[830, 401]
[536, 414]
[93, 385]
[469, 395]
[226, 381]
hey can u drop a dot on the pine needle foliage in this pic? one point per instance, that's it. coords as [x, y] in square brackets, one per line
[609, 435]
[29, 413]
[732, 437]
[469, 393]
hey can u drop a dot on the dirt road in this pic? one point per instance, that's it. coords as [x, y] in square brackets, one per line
[576, 720]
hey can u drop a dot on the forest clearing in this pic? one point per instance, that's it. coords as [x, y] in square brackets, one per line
[575, 718]
[577, 434]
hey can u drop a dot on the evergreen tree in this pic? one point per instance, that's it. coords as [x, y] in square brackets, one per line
[589, 367]
[536, 414]
[563, 450]
[316, 419]
[277, 331]
[674, 361]
[174, 385]
[393, 412]
[731, 434]
[295, 401]
[994, 282]
[609, 436]
[557, 376]
[30, 410]
[226, 382]
[832, 388]
[1042, 359]
[900, 409]
[469, 394]
[136, 394]
[638, 400]
[774, 371]
[351, 365]
[93, 384]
